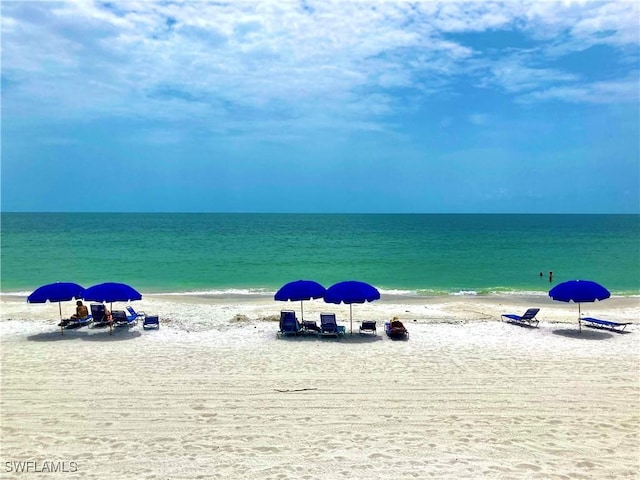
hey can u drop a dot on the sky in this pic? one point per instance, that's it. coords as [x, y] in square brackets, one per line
[320, 106]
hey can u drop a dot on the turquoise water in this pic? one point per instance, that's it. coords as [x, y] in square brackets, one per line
[424, 254]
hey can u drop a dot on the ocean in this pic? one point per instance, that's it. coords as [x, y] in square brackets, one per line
[413, 254]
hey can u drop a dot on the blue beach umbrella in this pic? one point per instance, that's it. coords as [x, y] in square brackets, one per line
[579, 291]
[298, 291]
[56, 292]
[111, 292]
[351, 291]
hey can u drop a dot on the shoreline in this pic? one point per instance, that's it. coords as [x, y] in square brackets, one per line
[268, 292]
[204, 312]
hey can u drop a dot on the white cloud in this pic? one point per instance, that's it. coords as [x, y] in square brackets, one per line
[514, 76]
[344, 59]
[594, 93]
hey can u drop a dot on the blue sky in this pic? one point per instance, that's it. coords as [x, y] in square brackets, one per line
[363, 106]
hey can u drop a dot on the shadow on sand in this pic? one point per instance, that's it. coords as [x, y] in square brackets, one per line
[55, 336]
[523, 325]
[583, 335]
[118, 334]
[354, 338]
[404, 338]
[93, 335]
[346, 338]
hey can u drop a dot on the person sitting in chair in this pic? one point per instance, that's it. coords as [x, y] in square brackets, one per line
[81, 311]
[396, 323]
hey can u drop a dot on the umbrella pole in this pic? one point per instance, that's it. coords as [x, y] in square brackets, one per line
[61, 326]
[351, 317]
[301, 311]
[579, 319]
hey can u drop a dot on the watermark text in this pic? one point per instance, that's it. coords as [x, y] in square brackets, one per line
[35, 466]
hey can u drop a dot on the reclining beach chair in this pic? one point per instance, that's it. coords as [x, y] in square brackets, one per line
[79, 322]
[396, 330]
[368, 326]
[148, 321]
[151, 321]
[118, 317]
[132, 315]
[329, 327]
[605, 324]
[71, 323]
[310, 327]
[99, 315]
[121, 319]
[529, 317]
[289, 324]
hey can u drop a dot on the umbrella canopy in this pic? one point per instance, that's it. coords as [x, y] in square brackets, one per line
[579, 291]
[351, 291]
[111, 292]
[56, 292]
[300, 290]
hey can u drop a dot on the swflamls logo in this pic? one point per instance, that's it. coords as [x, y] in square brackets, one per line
[32, 466]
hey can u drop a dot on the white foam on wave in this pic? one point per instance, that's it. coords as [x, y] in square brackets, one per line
[221, 292]
[422, 292]
[520, 293]
[16, 294]
[260, 293]
[395, 291]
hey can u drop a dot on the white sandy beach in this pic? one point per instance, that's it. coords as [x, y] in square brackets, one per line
[214, 393]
